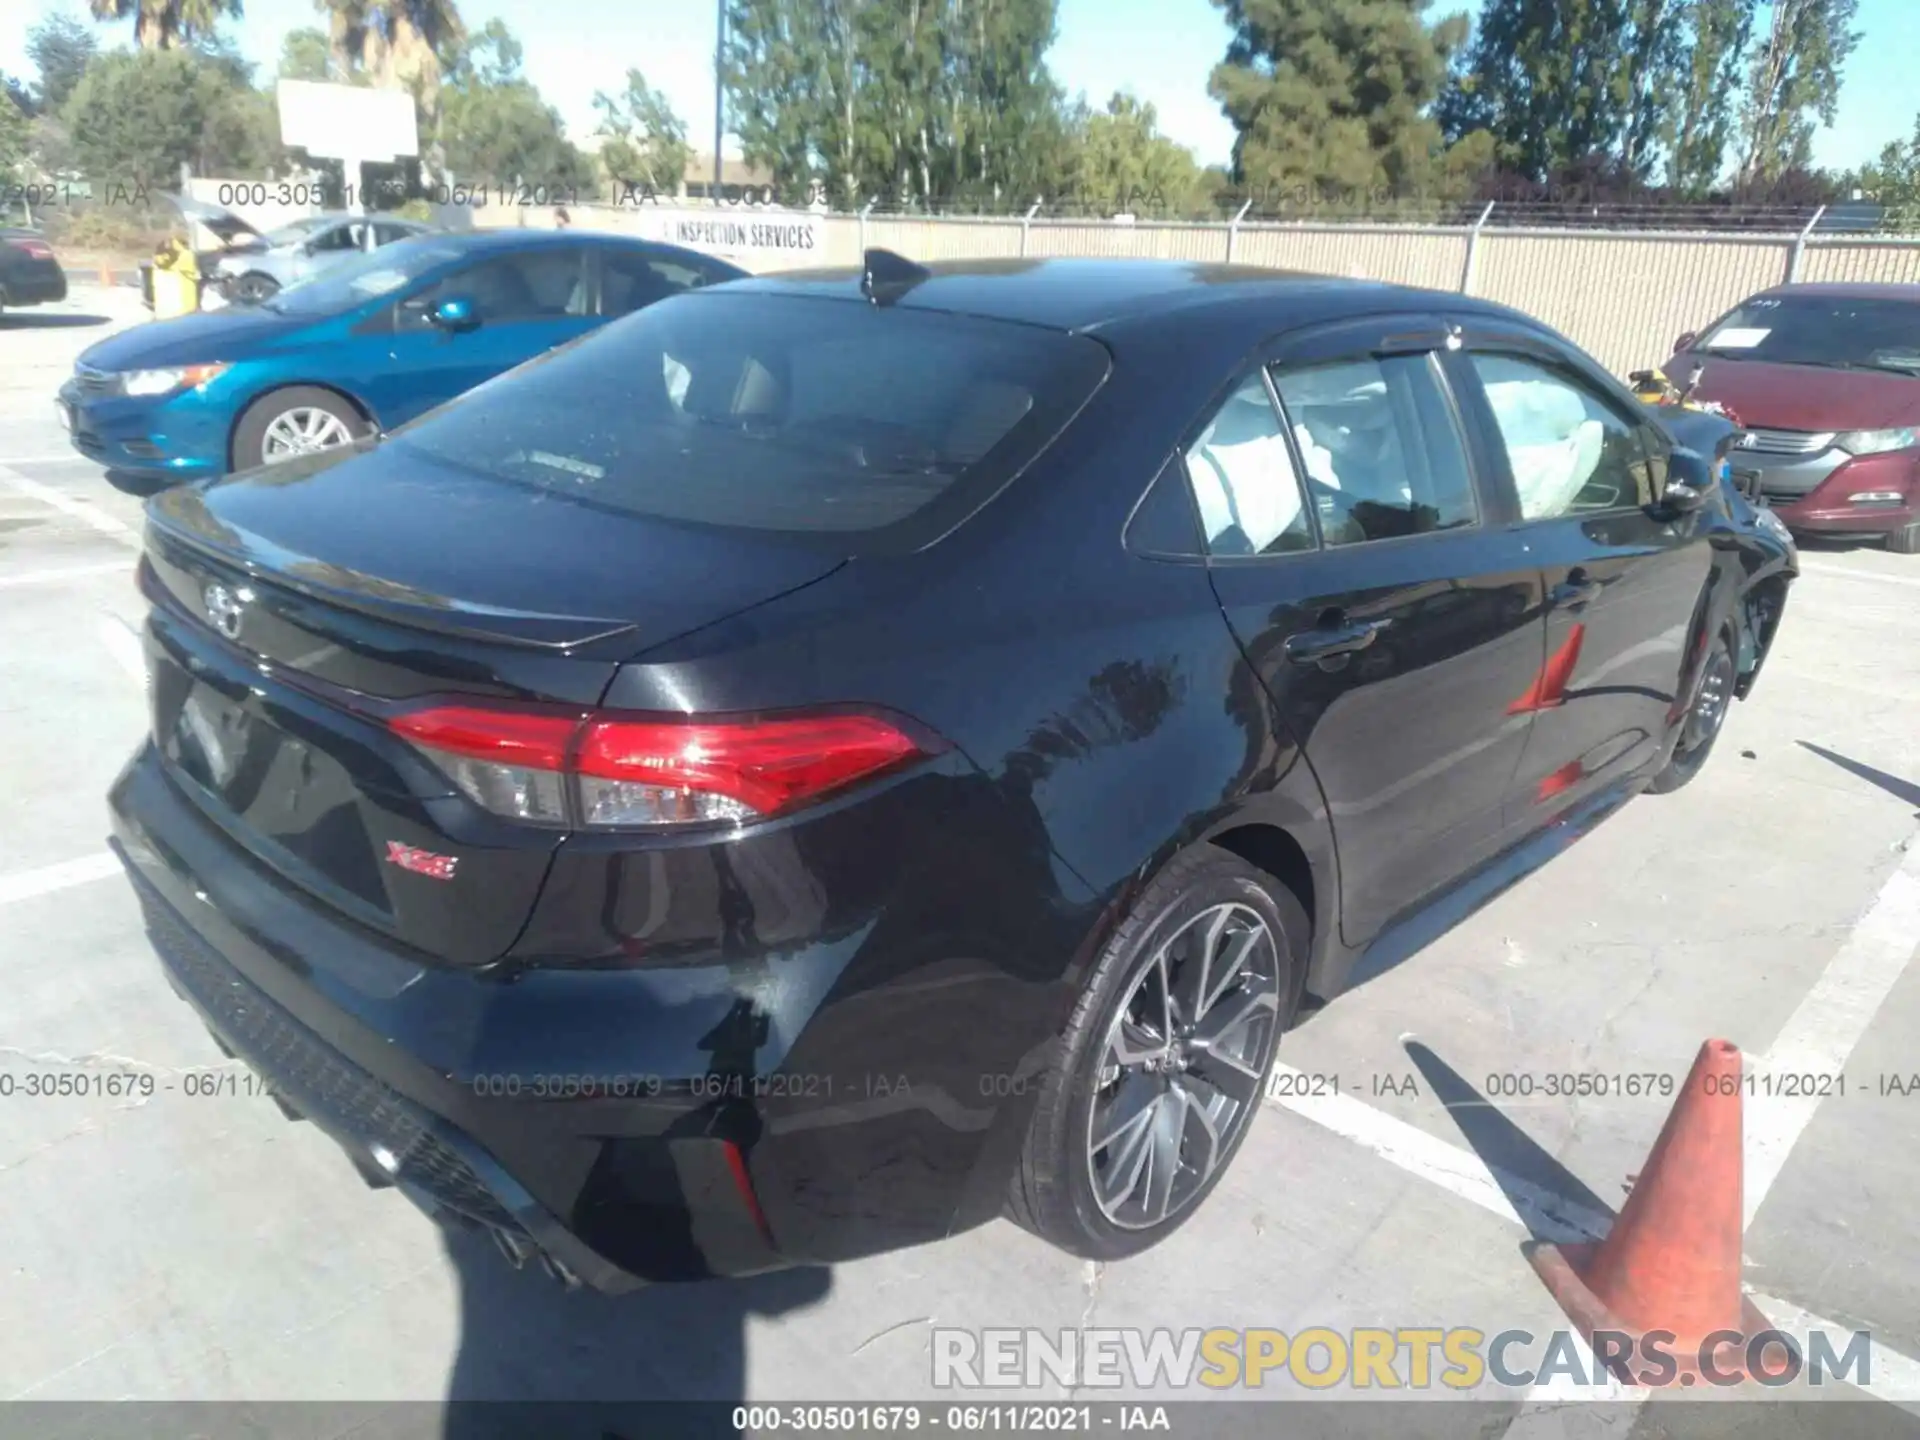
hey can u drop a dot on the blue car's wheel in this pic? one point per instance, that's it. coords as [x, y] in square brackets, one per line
[298, 420]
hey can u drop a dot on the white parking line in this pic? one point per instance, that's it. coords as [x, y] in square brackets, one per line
[63, 876]
[1821, 1034]
[83, 510]
[124, 646]
[1519, 1202]
[1817, 1039]
[1444, 1164]
[1816, 568]
[65, 572]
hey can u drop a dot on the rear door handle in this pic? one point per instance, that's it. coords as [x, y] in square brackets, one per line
[1576, 590]
[1339, 639]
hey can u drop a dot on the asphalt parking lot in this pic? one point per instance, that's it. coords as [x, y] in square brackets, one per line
[201, 1246]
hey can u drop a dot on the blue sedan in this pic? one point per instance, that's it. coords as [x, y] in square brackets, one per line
[362, 349]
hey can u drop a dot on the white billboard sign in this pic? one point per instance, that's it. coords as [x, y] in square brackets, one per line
[347, 122]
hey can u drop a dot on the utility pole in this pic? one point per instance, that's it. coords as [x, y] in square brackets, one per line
[719, 90]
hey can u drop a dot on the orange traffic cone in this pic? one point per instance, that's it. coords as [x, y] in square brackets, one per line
[1671, 1262]
[1549, 688]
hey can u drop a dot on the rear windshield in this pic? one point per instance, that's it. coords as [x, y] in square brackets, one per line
[1821, 330]
[774, 412]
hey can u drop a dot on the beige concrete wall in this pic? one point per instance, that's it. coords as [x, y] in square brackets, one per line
[1624, 298]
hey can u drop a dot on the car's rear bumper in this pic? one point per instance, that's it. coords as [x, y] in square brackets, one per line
[36, 282]
[556, 1106]
[289, 991]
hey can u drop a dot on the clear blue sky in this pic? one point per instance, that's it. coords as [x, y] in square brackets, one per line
[1162, 50]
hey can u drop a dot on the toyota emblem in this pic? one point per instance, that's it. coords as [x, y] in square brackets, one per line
[224, 609]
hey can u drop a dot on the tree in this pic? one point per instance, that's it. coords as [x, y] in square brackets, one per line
[1700, 124]
[61, 48]
[494, 128]
[136, 116]
[20, 93]
[506, 135]
[398, 45]
[1333, 95]
[1893, 180]
[646, 142]
[15, 138]
[164, 24]
[304, 55]
[1545, 78]
[920, 101]
[1795, 77]
[493, 57]
[1122, 163]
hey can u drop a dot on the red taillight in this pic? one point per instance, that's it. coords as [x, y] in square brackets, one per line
[39, 250]
[513, 737]
[612, 772]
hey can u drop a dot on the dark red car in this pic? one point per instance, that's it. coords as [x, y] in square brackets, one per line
[1826, 379]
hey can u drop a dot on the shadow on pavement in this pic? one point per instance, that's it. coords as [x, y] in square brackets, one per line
[1549, 1198]
[1904, 791]
[142, 486]
[526, 1343]
[60, 320]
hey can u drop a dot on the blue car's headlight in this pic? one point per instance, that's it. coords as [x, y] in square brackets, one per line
[165, 382]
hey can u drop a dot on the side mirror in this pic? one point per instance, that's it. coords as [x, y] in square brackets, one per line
[455, 313]
[1681, 498]
[1685, 342]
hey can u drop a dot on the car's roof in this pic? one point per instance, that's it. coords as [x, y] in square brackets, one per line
[1844, 290]
[1087, 295]
[519, 238]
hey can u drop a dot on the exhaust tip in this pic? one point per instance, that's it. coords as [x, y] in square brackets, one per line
[517, 1248]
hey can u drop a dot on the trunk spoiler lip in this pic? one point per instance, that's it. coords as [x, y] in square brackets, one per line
[273, 564]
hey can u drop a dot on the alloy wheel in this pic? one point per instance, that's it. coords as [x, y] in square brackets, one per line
[1181, 1072]
[301, 431]
[1710, 701]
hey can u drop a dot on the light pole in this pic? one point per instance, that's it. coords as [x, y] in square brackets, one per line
[719, 90]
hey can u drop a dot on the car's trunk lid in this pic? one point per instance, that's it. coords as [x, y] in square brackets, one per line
[299, 607]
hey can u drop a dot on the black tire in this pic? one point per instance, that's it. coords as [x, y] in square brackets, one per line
[253, 287]
[249, 436]
[1698, 731]
[1906, 540]
[1053, 1193]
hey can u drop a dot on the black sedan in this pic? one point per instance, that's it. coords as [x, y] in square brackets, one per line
[832, 759]
[30, 272]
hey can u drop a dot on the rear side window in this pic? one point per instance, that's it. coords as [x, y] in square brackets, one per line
[1243, 479]
[773, 412]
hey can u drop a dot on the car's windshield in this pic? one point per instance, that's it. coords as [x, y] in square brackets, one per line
[772, 412]
[1835, 331]
[364, 277]
[296, 231]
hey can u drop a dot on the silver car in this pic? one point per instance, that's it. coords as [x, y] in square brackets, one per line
[251, 265]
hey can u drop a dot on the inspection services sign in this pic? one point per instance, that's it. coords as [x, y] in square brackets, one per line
[762, 234]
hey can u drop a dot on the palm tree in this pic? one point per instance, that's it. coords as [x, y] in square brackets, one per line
[393, 42]
[165, 24]
[396, 44]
